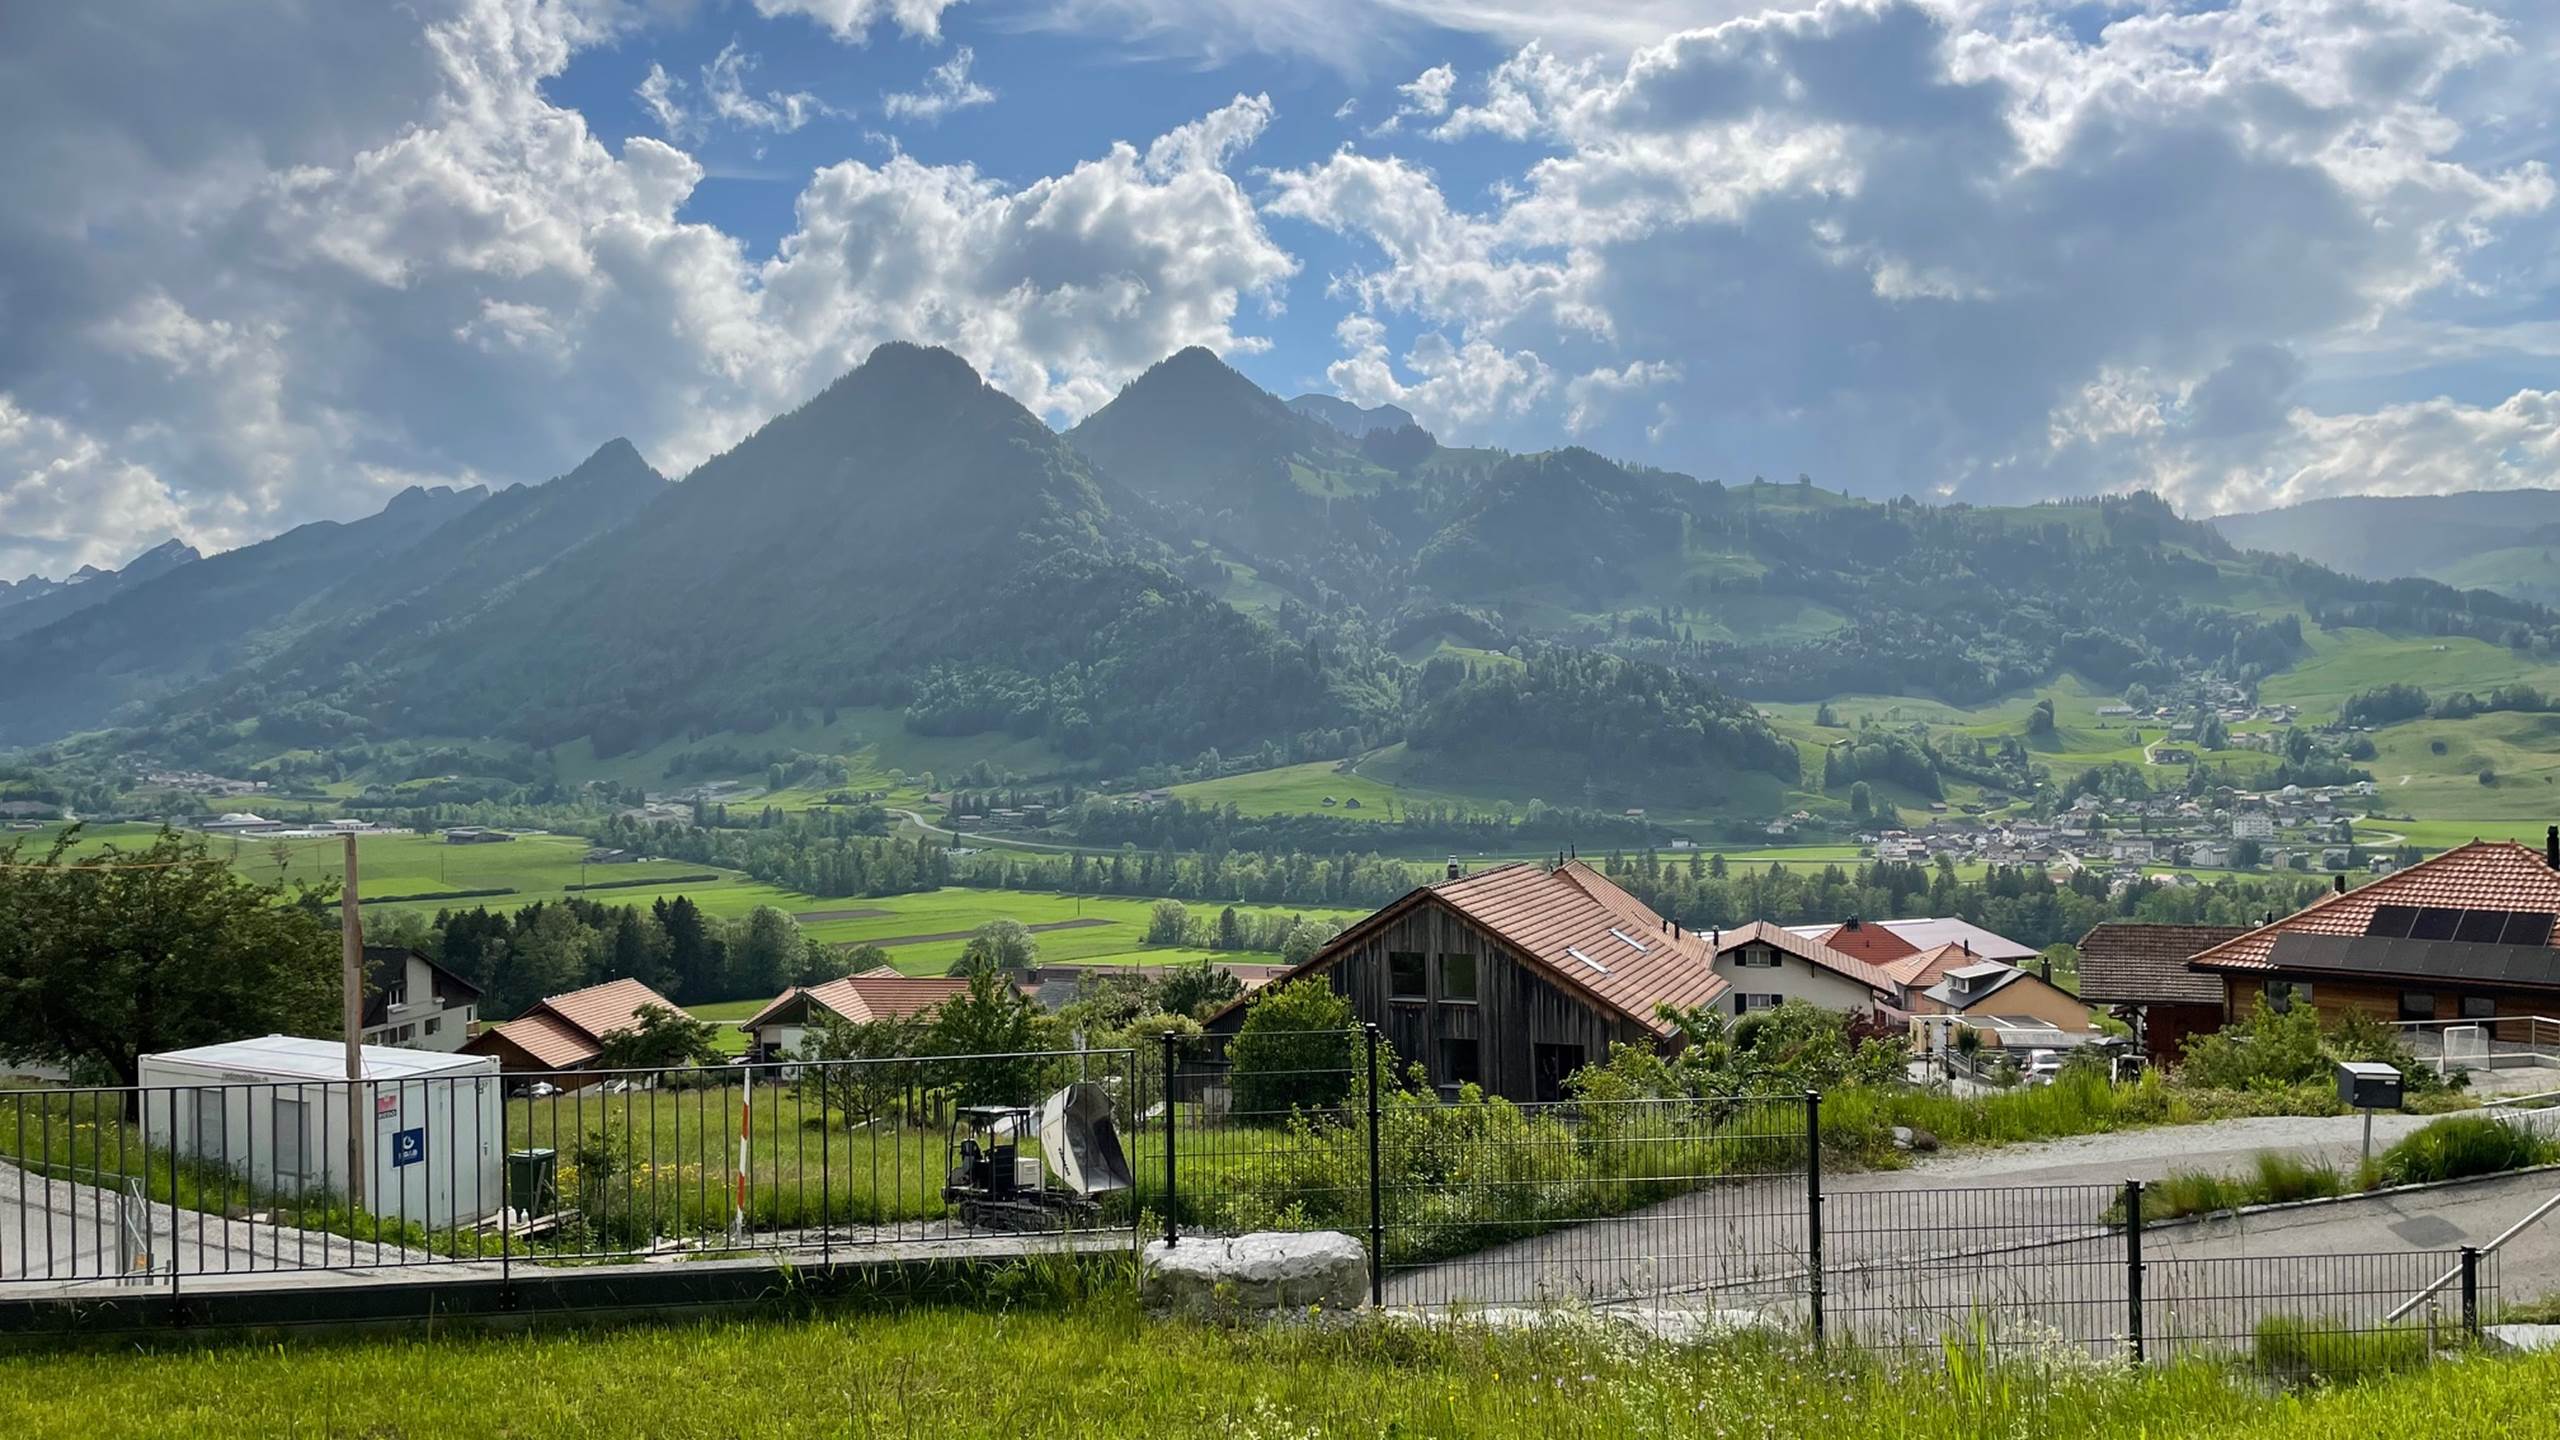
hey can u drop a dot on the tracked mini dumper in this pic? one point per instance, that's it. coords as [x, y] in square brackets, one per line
[994, 1186]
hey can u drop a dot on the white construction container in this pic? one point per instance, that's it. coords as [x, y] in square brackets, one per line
[273, 1111]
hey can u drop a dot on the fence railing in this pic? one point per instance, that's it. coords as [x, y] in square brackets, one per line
[1722, 1207]
[168, 1183]
[2483, 1042]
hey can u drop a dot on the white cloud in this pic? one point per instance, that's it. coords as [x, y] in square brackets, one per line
[947, 87]
[1520, 96]
[854, 20]
[658, 94]
[1589, 394]
[1456, 386]
[65, 501]
[1357, 36]
[1901, 243]
[725, 99]
[1060, 290]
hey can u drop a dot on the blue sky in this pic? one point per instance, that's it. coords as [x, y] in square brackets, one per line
[270, 265]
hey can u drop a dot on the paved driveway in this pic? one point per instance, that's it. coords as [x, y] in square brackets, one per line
[2020, 1234]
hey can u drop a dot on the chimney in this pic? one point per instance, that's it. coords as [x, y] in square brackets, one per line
[1968, 947]
[2338, 883]
[1852, 925]
[2551, 847]
[1456, 870]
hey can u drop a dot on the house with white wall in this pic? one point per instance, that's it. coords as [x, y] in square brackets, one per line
[1765, 965]
[414, 1003]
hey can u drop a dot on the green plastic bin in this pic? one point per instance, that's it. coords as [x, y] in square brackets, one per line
[533, 1181]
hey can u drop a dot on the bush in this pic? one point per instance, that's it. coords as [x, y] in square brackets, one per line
[2286, 1049]
[1295, 1051]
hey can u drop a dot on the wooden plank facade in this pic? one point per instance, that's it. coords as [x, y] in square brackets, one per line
[2390, 1001]
[1467, 1007]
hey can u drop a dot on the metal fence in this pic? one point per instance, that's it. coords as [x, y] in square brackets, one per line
[1722, 1209]
[163, 1185]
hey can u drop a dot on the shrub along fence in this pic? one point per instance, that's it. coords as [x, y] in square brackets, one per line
[1721, 1208]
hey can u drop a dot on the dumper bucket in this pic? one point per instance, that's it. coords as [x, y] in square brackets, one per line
[1082, 1145]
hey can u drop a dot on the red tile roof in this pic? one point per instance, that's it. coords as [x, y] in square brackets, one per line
[1872, 943]
[1580, 928]
[1922, 968]
[567, 1031]
[2483, 875]
[1571, 924]
[550, 1041]
[879, 993]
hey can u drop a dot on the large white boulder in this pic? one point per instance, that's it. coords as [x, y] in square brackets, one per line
[1251, 1276]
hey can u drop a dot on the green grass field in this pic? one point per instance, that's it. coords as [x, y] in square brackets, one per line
[538, 867]
[2523, 752]
[1118, 939]
[1098, 1367]
[1303, 789]
[2343, 662]
[876, 743]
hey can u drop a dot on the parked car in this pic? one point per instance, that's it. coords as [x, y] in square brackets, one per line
[2041, 1067]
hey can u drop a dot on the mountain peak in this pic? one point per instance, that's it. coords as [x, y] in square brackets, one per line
[615, 457]
[1352, 419]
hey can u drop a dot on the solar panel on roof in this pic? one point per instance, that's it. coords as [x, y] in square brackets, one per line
[2481, 927]
[2392, 921]
[2526, 929]
[2435, 922]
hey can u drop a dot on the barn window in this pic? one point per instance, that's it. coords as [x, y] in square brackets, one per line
[2282, 994]
[1744, 1004]
[1407, 977]
[2417, 1005]
[1757, 957]
[1458, 979]
[1458, 1062]
[2479, 1007]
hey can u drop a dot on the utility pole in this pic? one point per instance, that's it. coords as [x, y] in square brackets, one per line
[351, 986]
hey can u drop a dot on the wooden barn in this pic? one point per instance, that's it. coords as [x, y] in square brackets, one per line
[1513, 978]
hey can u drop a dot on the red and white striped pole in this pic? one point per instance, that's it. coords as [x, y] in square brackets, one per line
[746, 1121]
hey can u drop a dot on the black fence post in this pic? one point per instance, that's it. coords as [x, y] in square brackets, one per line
[1813, 1207]
[2133, 1269]
[1377, 1209]
[1172, 1227]
[2471, 1291]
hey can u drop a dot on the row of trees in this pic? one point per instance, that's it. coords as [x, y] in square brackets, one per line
[518, 956]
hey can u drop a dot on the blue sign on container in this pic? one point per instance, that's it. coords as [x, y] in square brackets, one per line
[408, 1147]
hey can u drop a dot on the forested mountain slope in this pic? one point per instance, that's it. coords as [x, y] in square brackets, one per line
[198, 619]
[35, 602]
[910, 536]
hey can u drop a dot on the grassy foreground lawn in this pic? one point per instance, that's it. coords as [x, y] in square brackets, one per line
[1100, 1369]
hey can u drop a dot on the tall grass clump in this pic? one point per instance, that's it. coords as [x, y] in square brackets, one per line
[2290, 1348]
[2460, 1146]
